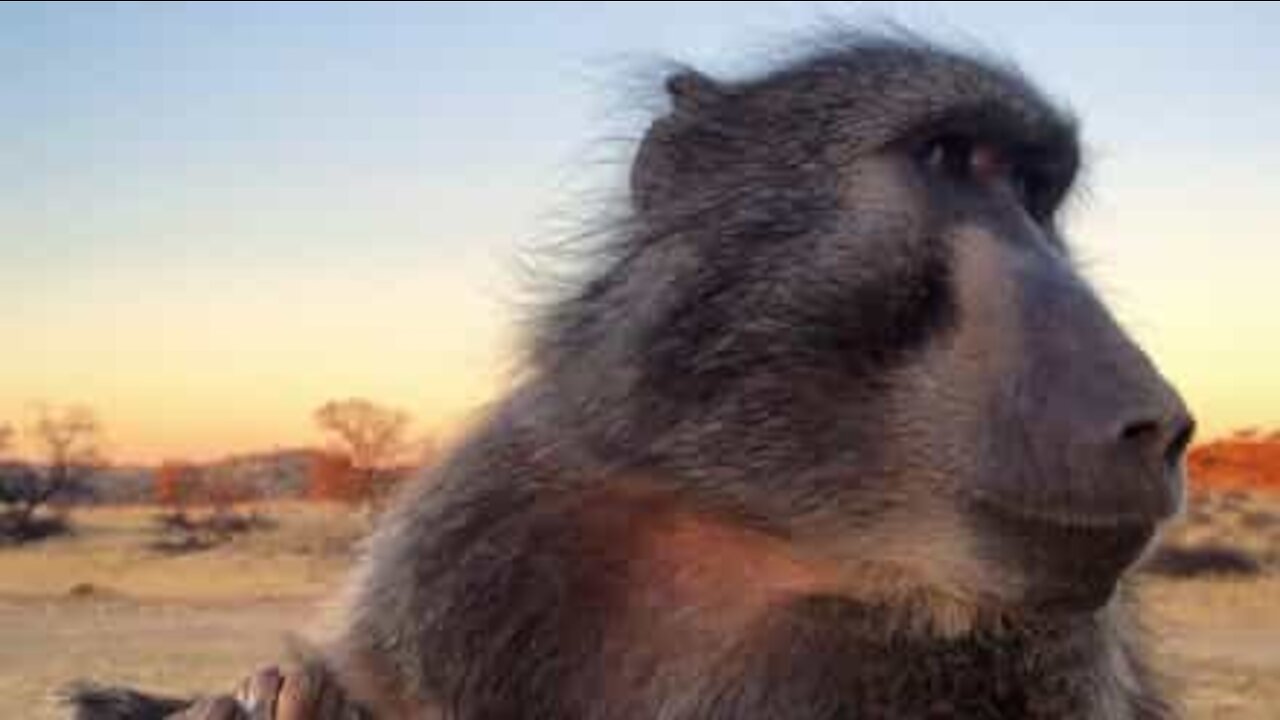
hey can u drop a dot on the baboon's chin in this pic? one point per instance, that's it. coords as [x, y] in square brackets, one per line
[1065, 567]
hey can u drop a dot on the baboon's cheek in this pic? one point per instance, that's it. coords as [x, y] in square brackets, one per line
[951, 399]
[987, 340]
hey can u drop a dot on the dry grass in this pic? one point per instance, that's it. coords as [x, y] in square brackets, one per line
[1248, 523]
[1220, 641]
[180, 624]
[199, 622]
[110, 552]
[169, 647]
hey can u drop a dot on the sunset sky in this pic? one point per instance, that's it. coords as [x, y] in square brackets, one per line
[215, 218]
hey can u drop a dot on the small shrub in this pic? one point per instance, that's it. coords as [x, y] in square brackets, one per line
[89, 591]
[1260, 519]
[182, 544]
[1202, 560]
[182, 533]
[177, 521]
[17, 528]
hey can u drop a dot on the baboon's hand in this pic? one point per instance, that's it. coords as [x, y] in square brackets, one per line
[293, 693]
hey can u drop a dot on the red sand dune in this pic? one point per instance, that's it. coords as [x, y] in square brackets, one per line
[1245, 461]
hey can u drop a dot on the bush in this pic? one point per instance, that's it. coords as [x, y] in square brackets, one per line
[1260, 519]
[1202, 560]
[181, 533]
[17, 528]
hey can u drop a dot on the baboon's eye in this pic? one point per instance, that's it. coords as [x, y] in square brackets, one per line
[965, 158]
[951, 155]
[971, 160]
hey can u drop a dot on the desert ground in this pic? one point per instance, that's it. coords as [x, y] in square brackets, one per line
[104, 604]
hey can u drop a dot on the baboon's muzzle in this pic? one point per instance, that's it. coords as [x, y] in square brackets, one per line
[1093, 438]
[1095, 435]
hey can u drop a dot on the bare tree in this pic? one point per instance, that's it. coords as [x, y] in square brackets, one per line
[68, 441]
[66, 444]
[371, 436]
[15, 478]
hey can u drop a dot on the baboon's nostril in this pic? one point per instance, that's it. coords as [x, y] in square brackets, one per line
[1168, 437]
[1140, 431]
[1184, 430]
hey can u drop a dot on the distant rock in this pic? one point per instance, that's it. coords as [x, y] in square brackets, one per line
[1247, 460]
[273, 475]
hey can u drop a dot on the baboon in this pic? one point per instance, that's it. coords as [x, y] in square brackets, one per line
[833, 428]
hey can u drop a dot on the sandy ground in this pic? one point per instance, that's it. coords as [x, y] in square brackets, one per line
[1220, 642]
[170, 647]
[199, 623]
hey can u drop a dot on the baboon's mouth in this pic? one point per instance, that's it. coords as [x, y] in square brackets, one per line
[1143, 509]
[1066, 565]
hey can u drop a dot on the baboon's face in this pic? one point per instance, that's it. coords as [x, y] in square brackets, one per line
[846, 304]
[1056, 443]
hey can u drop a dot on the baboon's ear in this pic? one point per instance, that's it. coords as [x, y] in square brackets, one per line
[691, 91]
[664, 154]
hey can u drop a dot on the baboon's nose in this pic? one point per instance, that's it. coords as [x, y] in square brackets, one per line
[1158, 438]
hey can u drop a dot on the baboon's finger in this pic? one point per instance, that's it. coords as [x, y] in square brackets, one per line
[259, 692]
[309, 692]
[300, 694]
[330, 700]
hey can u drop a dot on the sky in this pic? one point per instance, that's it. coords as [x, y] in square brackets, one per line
[214, 218]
